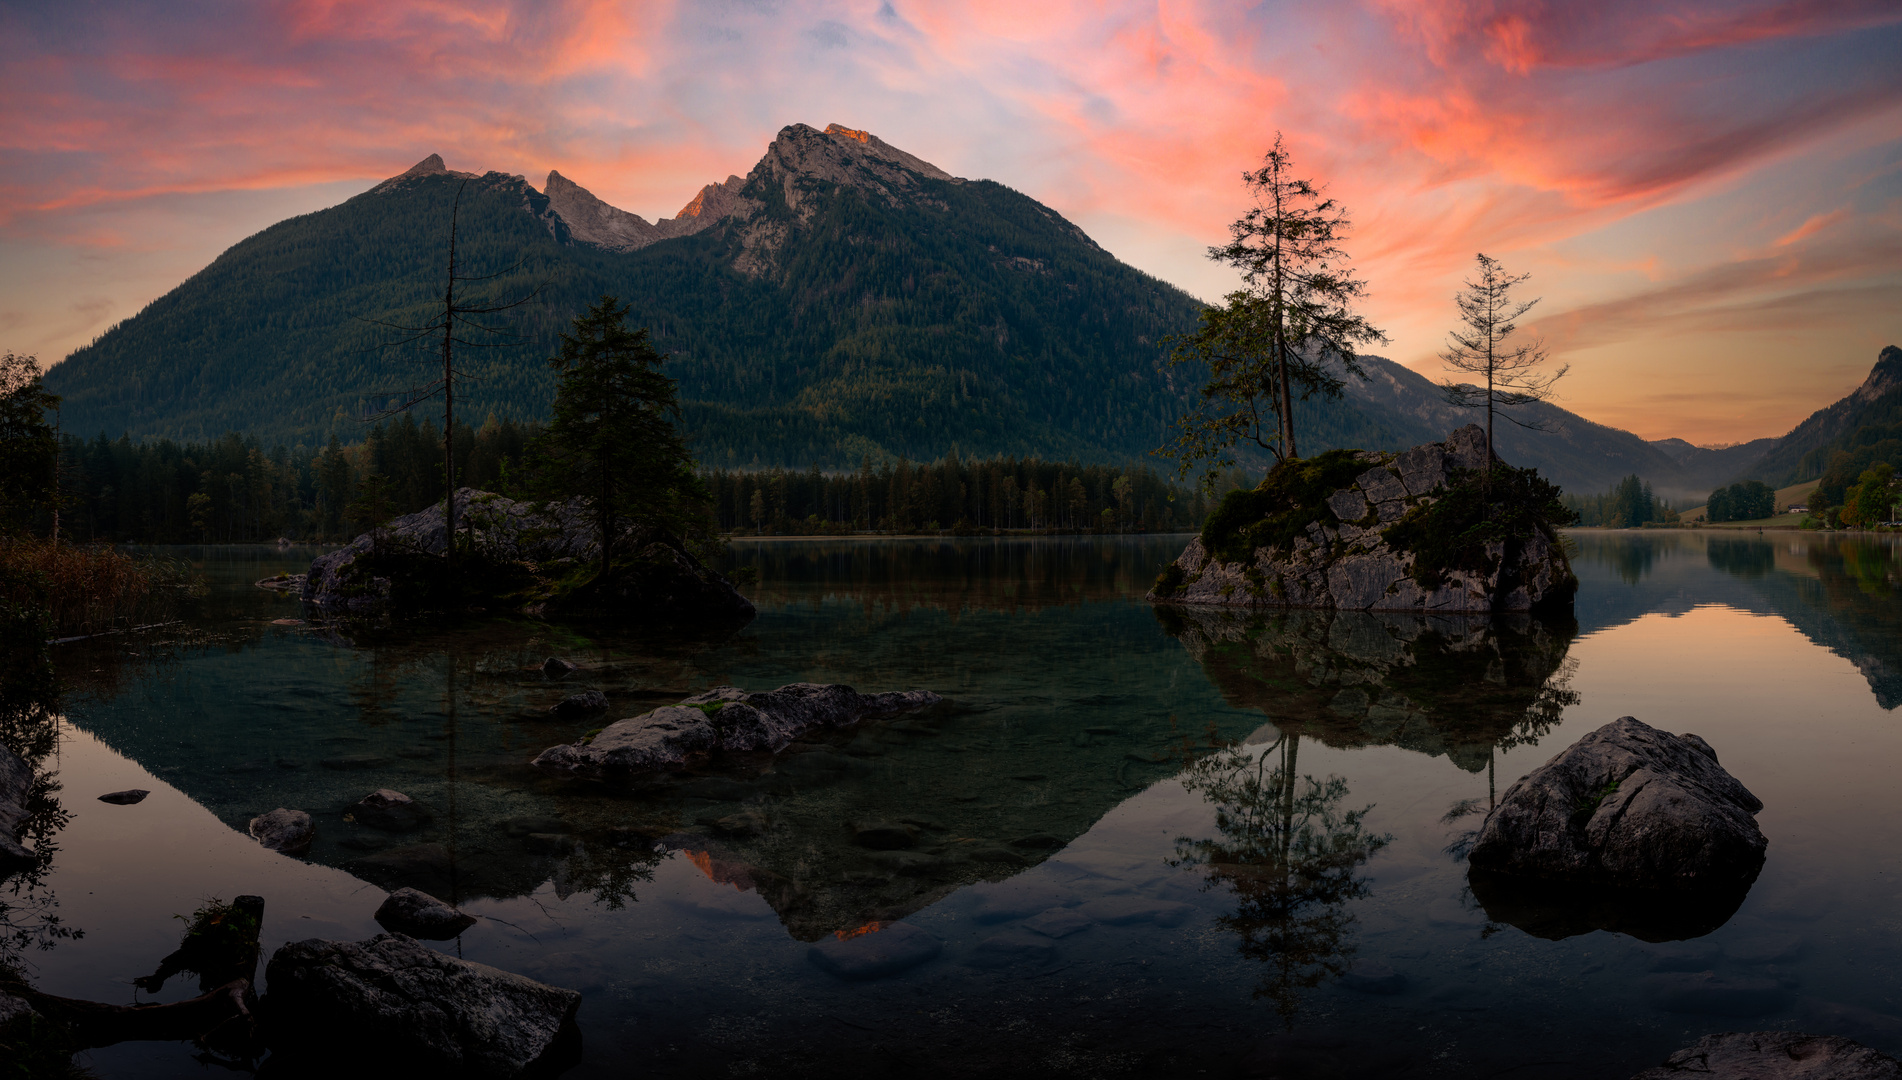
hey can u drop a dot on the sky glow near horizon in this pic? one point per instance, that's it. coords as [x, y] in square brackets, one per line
[1708, 195]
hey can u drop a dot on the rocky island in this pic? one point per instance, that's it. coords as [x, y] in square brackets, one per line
[1426, 531]
[529, 556]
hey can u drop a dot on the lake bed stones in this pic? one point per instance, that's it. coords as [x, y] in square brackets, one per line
[1775, 1055]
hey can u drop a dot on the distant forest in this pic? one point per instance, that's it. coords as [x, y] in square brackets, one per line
[234, 490]
[1627, 506]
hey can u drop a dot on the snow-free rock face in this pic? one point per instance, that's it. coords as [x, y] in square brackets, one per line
[400, 1005]
[1627, 806]
[1775, 1055]
[652, 577]
[1345, 557]
[724, 718]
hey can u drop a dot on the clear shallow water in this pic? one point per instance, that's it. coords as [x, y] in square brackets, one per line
[1075, 769]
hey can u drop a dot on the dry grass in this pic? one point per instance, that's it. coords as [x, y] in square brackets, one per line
[88, 589]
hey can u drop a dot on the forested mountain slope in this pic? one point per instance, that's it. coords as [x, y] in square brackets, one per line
[1866, 425]
[851, 301]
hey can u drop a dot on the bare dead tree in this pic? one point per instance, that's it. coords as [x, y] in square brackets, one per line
[452, 317]
[1491, 315]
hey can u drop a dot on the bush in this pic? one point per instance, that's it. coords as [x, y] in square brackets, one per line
[1288, 500]
[1452, 532]
[92, 588]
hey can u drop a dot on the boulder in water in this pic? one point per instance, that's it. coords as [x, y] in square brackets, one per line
[400, 1005]
[420, 915]
[725, 718]
[125, 798]
[391, 811]
[1627, 806]
[288, 831]
[1775, 1055]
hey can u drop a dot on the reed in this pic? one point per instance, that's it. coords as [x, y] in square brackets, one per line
[89, 589]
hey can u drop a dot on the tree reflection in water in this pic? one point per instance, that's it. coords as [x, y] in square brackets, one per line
[1289, 853]
[29, 726]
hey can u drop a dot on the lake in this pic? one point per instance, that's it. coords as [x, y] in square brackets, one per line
[1151, 842]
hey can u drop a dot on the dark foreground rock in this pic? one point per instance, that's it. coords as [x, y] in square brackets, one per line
[1775, 1055]
[16, 781]
[527, 555]
[874, 951]
[288, 831]
[391, 1002]
[1355, 549]
[1627, 806]
[725, 718]
[420, 915]
[391, 811]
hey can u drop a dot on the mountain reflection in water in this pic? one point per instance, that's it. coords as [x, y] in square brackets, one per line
[1838, 589]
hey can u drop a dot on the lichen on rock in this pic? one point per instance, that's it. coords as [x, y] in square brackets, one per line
[1431, 530]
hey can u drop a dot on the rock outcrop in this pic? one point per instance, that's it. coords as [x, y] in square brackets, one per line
[399, 1005]
[523, 547]
[1350, 550]
[1627, 806]
[725, 718]
[1776, 1055]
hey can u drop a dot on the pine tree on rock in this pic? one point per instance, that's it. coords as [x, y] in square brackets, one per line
[1510, 374]
[612, 437]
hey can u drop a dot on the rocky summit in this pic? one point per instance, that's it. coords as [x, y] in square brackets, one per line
[1367, 531]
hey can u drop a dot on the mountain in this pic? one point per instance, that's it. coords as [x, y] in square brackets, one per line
[844, 298]
[1858, 425]
[1579, 455]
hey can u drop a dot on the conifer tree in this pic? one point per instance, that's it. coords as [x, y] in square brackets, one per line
[1508, 373]
[612, 437]
[1292, 325]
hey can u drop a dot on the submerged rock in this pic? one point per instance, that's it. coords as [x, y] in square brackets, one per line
[391, 811]
[588, 701]
[724, 718]
[1627, 806]
[288, 831]
[1776, 1055]
[400, 1005]
[16, 780]
[1373, 543]
[420, 915]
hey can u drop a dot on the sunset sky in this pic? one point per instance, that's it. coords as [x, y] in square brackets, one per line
[1708, 195]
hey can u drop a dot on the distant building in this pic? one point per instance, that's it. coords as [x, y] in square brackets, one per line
[1796, 508]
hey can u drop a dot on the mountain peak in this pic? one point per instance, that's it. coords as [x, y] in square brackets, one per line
[429, 166]
[1884, 377]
